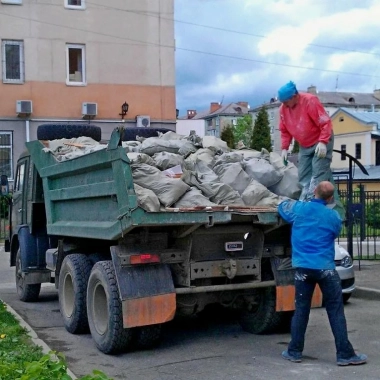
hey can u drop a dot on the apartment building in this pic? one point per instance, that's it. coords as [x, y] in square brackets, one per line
[80, 61]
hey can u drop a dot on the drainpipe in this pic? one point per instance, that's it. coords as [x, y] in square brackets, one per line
[27, 130]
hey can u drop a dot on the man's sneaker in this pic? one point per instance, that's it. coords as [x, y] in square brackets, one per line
[354, 360]
[295, 359]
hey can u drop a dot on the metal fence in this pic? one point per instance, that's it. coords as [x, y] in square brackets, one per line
[365, 210]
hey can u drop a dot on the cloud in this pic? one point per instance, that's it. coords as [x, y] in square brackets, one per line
[252, 47]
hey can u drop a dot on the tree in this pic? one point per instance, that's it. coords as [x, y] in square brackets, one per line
[296, 147]
[227, 135]
[243, 129]
[261, 132]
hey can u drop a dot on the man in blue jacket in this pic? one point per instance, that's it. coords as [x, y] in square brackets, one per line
[314, 230]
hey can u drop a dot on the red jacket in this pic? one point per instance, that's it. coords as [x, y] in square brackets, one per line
[307, 122]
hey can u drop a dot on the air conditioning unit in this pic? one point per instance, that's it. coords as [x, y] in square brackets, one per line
[89, 109]
[24, 107]
[143, 121]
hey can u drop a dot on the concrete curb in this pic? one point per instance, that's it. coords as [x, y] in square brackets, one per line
[33, 335]
[366, 293]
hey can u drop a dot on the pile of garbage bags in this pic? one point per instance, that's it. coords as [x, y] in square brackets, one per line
[177, 171]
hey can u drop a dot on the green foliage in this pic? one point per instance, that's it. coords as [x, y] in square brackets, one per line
[243, 129]
[4, 205]
[20, 359]
[227, 135]
[373, 214]
[296, 147]
[261, 132]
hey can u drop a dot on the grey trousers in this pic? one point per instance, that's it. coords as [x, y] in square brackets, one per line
[312, 170]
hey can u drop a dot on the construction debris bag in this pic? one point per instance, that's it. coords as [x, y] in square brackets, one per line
[289, 185]
[228, 158]
[192, 198]
[147, 199]
[254, 193]
[217, 192]
[165, 160]
[233, 175]
[170, 135]
[154, 145]
[204, 172]
[140, 158]
[262, 171]
[203, 154]
[168, 190]
[218, 144]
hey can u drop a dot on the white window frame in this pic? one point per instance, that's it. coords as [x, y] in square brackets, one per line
[4, 43]
[15, 2]
[69, 6]
[84, 77]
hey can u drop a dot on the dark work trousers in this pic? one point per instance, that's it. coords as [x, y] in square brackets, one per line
[329, 282]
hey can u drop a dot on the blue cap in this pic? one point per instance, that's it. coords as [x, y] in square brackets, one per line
[287, 91]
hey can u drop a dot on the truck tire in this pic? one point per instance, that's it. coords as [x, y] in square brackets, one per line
[104, 310]
[262, 317]
[26, 292]
[147, 337]
[72, 289]
[68, 131]
[131, 133]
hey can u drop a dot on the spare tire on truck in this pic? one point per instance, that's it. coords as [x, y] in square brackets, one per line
[131, 133]
[68, 131]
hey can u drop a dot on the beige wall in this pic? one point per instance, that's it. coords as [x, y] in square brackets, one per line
[129, 47]
[350, 140]
[343, 123]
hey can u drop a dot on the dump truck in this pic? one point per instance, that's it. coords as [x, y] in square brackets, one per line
[122, 272]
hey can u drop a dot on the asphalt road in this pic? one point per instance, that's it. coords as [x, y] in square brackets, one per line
[215, 349]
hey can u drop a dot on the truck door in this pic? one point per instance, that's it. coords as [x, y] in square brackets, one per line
[19, 208]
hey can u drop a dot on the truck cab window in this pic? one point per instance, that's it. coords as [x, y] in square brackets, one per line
[20, 175]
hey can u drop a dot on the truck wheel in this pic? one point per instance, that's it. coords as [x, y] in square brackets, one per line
[68, 131]
[72, 289]
[260, 316]
[148, 336]
[104, 310]
[131, 133]
[26, 292]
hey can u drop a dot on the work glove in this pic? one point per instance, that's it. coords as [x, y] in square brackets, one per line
[284, 155]
[321, 150]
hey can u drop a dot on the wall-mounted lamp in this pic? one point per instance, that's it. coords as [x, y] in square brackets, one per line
[124, 110]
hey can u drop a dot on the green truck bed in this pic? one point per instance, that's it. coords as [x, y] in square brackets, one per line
[92, 196]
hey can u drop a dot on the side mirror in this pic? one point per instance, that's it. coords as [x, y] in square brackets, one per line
[4, 184]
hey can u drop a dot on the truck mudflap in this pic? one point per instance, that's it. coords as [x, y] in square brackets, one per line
[146, 291]
[285, 298]
[285, 290]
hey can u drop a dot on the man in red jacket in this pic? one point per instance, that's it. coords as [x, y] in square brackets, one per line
[303, 118]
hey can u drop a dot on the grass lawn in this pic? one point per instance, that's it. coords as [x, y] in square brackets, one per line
[21, 359]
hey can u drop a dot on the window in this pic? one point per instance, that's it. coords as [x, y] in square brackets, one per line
[75, 62]
[6, 154]
[343, 150]
[13, 61]
[341, 119]
[234, 122]
[358, 150]
[75, 4]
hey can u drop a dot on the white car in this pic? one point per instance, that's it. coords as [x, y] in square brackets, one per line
[344, 267]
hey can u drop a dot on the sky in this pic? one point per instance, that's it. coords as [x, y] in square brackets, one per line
[244, 50]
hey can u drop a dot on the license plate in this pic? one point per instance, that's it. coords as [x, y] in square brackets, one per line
[233, 246]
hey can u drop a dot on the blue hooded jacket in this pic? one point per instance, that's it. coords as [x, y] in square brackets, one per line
[314, 230]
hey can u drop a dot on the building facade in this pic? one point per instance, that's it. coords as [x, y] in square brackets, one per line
[64, 61]
[218, 116]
